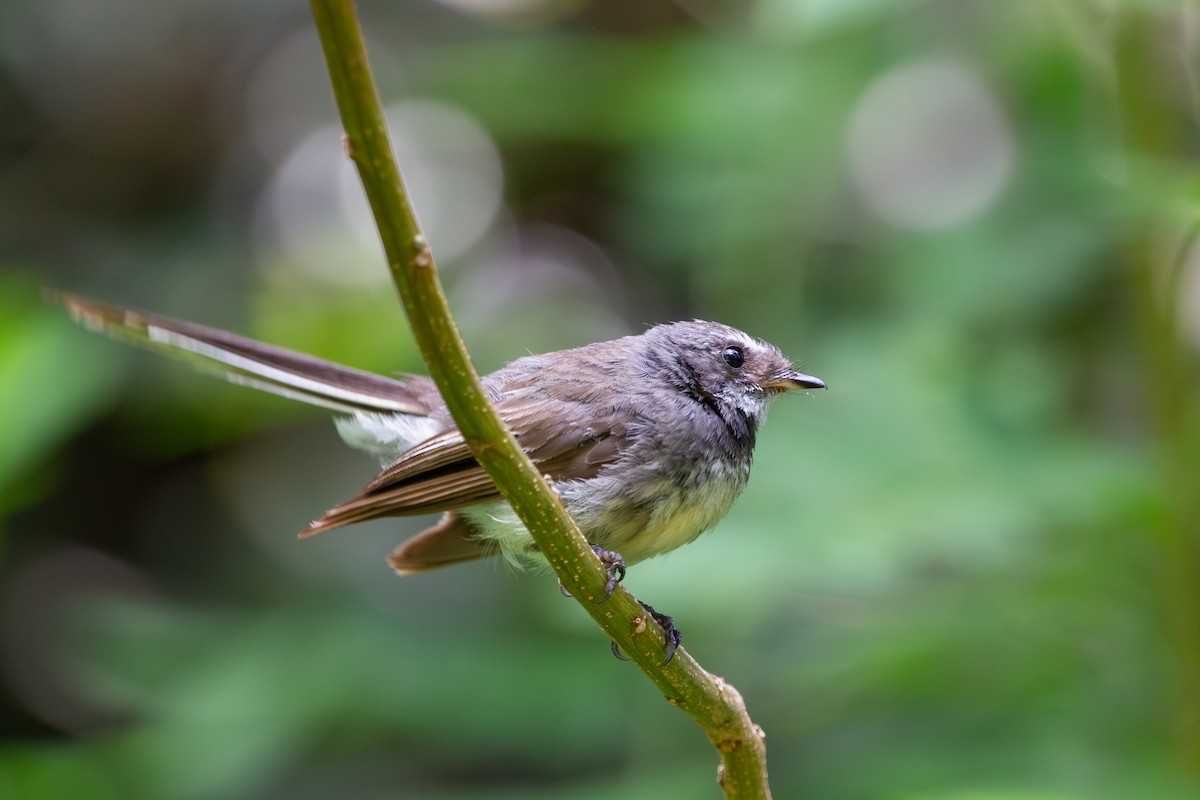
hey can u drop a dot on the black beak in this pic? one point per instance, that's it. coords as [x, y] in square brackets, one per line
[788, 379]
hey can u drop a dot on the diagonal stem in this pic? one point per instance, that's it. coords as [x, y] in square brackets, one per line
[716, 706]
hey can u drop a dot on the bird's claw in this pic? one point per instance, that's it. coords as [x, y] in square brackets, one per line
[614, 567]
[673, 635]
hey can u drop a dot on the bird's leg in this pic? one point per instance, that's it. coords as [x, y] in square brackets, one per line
[673, 635]
[614, 566]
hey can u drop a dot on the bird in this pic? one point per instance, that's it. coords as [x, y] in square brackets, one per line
[647, 439]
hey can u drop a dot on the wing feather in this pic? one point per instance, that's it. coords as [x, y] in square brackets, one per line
[440, 473]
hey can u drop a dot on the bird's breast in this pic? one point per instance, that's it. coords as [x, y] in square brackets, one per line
[655, 510]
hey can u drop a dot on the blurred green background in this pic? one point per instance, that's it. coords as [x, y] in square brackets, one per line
[967, 571]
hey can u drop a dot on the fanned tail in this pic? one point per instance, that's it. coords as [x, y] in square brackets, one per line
[244, 361]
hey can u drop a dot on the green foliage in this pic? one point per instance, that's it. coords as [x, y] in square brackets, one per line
[968, 571]
[51, 382]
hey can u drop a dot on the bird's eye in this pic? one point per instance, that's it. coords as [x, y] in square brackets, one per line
[733, 356]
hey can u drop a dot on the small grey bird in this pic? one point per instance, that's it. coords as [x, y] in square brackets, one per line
[648, 439]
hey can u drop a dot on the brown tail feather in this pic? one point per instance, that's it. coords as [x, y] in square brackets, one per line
[448, 542]
[245, 361]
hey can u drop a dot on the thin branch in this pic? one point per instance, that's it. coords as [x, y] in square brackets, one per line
[716, 706]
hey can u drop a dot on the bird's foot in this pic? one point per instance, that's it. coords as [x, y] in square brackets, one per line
[614, 567]
[673, 635]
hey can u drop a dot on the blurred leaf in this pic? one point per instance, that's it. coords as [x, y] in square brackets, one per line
[52, 380]
[946, 577]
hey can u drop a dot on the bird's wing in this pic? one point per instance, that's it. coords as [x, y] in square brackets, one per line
[440, 474]
[250, 363]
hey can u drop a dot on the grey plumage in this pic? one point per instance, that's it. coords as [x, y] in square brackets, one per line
[648, 438]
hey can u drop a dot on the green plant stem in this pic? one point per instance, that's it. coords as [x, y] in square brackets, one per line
[1168, 383]
[716, 706]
